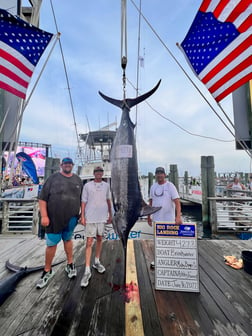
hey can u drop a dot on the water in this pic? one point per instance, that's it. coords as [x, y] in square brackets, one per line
[193, 213]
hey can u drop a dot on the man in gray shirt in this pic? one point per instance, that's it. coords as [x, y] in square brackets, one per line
[59, 203]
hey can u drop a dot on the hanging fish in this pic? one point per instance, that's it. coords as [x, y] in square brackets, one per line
[125, 188]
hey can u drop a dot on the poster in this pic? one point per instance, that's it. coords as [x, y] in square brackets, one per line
[176, 257]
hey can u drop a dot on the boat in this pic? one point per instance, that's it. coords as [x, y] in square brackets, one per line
[96, 147]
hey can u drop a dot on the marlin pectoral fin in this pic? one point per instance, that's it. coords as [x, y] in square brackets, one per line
[149, 210]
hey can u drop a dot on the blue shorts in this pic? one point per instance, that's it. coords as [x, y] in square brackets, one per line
[53, 239]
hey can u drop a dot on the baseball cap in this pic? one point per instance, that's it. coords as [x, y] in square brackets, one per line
[96, 169]
[67, 160]
[160, 170]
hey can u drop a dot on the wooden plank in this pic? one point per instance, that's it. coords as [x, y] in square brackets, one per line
[133, 314]
[231, 276]
[29, 306]
[169, 315]
[101, 306]
[150, 317]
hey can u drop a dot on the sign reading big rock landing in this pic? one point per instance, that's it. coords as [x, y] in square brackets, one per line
[176, 257]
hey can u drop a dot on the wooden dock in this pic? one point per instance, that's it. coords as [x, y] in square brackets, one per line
[223, 306]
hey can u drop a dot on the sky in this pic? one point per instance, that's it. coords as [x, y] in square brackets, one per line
[91, 43]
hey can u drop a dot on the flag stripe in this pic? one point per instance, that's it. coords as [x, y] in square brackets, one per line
[246, 24]
[240, 8]
[232, 81]
[12, 56]
[222, 5]
[223, 59]
[229, 11]
[11, 89]
[212, 6]
[204, 6]
[232, 73]
[227, 69]
[234, 86]
[229, 49]
[10, 82]
[6, 72]
[14, 69]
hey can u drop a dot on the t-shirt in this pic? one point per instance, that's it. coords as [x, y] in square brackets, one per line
[95, 195]
[163, 195]
[63, 196]
[236, 186]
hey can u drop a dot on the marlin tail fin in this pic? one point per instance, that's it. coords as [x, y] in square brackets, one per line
[130, 102]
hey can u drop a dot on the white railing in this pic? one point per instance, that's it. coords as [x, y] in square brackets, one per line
[231, 214]
[19, 215]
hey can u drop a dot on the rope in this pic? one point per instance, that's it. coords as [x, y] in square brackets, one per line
[68, 85]
[243, 145]
[138, 61]
[123, 44]
[177, 125]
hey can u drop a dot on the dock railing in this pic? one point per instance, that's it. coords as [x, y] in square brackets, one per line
[19, 215]
[231, 213]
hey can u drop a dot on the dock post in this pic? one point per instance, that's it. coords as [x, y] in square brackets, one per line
[174, 175]
[5, 217]
[208, 190]
[186, 183]
[35, 218]
[150, 181]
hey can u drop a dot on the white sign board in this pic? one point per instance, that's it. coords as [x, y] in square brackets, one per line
[176, 257]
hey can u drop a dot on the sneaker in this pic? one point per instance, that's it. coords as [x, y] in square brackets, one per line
[85, 279]
[99, 267]
[71, 271]
[46, 276]
[152, 265]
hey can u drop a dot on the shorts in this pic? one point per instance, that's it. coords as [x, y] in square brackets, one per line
[53, 239]
[94, 229]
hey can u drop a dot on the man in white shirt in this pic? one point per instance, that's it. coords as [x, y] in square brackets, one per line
[95, 212]
[165, 195]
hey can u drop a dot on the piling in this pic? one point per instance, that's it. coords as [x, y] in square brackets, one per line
[173, 177]
[208, 190]
[186, 182]
[150, 181]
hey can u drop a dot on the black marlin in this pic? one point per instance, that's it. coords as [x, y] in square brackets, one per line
[125, 187]
[8, 285]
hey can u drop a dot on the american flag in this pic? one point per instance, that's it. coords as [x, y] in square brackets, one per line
[21, 46]
[218, 45]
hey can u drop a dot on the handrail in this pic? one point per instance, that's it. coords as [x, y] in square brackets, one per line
[230, 214]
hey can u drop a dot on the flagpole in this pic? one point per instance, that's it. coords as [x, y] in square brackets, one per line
[16, 143]
[4, 119]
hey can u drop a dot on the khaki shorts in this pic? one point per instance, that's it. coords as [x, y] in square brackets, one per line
[94, 229]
